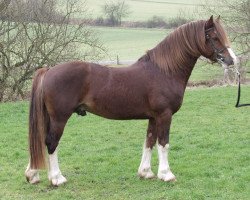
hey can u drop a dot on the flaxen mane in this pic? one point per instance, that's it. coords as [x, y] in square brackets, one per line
[182, 44]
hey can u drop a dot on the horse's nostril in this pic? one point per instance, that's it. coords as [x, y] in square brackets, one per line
[231, 62]
[228, 61]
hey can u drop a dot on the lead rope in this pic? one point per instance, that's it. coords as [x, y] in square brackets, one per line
[239, 91]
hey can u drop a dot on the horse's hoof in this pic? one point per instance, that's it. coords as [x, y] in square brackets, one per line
[146, 173]
[32, 176]
[58, 180]
[34, 180]
[167, 177]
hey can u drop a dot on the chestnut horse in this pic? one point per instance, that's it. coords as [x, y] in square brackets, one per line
[152, 88]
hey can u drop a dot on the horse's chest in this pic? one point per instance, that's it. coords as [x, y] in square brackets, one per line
[168, 99]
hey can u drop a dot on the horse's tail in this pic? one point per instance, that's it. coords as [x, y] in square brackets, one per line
[38, 122]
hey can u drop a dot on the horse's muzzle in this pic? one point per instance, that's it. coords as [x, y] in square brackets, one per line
[228, 61]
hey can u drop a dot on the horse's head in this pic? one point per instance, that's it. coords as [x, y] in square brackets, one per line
[217, 43]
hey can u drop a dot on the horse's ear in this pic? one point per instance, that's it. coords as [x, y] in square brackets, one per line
[209, 23]
[218, 18]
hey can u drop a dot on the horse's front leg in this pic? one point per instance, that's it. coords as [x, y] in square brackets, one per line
[163, 123]
[144, 170]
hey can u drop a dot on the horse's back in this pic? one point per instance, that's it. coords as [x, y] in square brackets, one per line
[118, 93]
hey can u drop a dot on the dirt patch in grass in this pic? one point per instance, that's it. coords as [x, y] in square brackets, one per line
[214, 82]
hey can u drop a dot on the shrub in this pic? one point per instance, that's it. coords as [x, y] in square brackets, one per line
[99, 21]
[177, 21]
[156, 22]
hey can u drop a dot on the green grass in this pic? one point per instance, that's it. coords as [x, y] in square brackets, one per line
[209, 153]
[129, 44]
[142, 10]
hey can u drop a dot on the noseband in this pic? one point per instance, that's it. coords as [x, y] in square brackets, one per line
[217, 53]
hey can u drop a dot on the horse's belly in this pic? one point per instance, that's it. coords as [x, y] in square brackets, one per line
[118, 107]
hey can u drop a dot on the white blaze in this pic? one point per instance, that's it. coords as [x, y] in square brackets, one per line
[232, 54]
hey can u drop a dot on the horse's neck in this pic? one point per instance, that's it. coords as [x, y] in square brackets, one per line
[183, 74]
[187, 69]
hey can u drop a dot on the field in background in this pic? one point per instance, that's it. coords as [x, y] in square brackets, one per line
[209, 153]
[130, 44]
[142, 10]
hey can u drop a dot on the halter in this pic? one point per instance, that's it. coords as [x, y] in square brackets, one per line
[217, 52]
[220, 58]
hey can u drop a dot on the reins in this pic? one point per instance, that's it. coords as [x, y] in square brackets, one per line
[239, 92]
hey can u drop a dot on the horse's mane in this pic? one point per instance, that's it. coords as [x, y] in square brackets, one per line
[184, 43]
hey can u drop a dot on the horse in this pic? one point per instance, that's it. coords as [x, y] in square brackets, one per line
[152, 88]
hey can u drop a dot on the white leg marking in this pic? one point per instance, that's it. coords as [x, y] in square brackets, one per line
[144, 170]
[232, 54]
[164, 172]
[55, 175]
[32, 175]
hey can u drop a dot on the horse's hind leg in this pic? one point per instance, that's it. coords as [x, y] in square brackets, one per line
[55, 176]
[52, 140]
[32, 175]
[144, 170]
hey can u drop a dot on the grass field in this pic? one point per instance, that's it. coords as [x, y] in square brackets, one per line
[129, 44]
[209, 153]
[142, 10]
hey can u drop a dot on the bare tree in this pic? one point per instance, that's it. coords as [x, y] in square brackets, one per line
[34, 35]
[236, 15]
[4, 5]
[115, 11]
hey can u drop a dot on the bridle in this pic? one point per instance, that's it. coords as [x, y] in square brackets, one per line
[217, 53]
